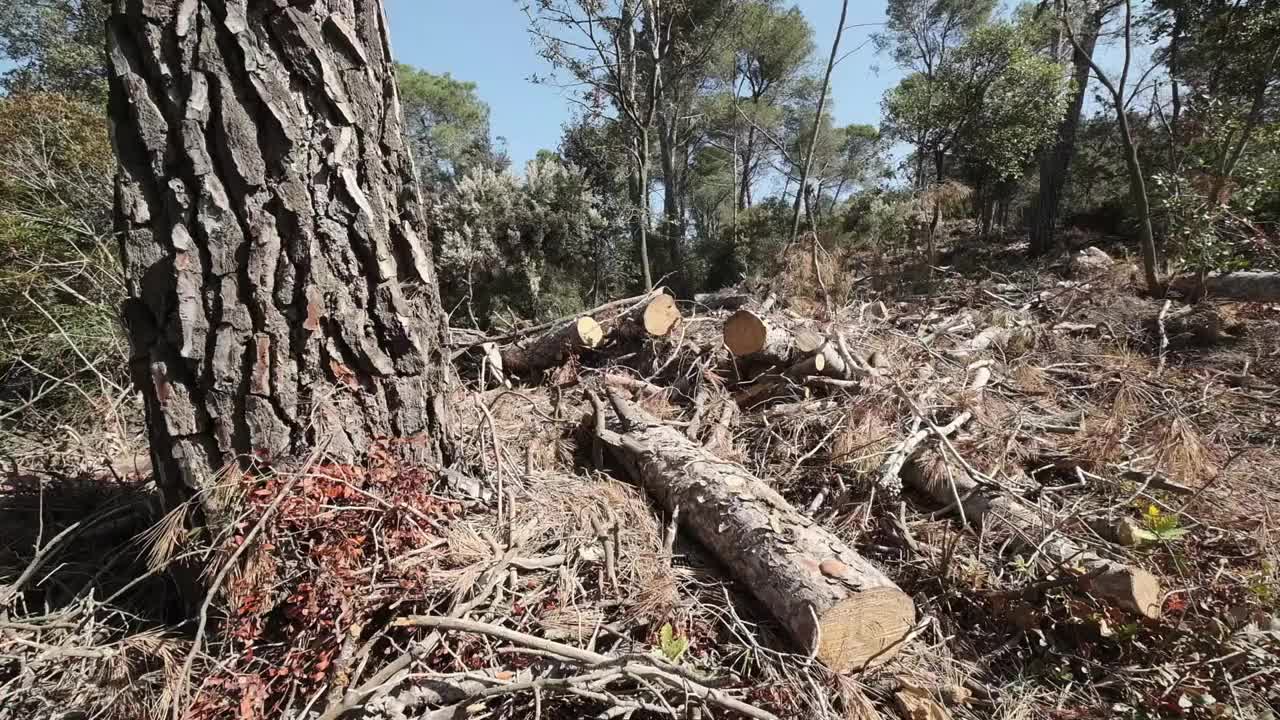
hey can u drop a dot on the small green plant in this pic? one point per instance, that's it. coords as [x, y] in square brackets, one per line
[1159, 527]
[673, 646]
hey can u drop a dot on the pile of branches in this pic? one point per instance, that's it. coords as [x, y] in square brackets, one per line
[1005, 497]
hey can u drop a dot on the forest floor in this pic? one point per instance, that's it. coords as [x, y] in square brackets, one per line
[1142, 431]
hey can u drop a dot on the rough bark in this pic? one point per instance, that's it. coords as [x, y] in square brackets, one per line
[1247, 286]
[832, 602]
[1128, 587]
[270, 223]
[770, 339]
[553, 347]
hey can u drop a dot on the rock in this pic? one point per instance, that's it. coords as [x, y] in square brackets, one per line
[1090, 261]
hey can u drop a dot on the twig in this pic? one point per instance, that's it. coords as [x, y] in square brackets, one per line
[672, 676]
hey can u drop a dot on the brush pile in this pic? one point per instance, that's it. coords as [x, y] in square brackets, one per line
[1022, 495]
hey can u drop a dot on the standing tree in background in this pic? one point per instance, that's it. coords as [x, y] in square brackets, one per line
[447, 126]
[280, 299]
[1055, 160]
[920, 35]
[807, 162]
[769, 50]
[1120, 95]
[994, 101]
[56, 46]
[599, 44]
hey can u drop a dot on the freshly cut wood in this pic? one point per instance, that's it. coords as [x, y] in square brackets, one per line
[827, 361]
[1246, 286]
[552, 347]
[655, 317]
[832, 602]
[750, 335]
[1128, 587]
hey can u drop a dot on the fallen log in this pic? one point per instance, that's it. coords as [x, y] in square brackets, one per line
[1128, 587]
[1245, 286]
[751, 336]
[832, 602]
[655, 317]
[552, 347]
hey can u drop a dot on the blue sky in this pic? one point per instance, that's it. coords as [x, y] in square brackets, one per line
[486, 42]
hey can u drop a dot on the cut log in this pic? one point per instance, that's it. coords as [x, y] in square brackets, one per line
[751, 336]
[552, 347]
[1128, 587]
[825, 361]
[1246, 286]
[832, 602]
[654, 318]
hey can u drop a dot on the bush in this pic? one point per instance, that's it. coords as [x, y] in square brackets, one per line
[59, 275]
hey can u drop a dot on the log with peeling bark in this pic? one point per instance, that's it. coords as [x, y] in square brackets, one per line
[655, 316]
[1126, 586]
[767, 339]
[833, 603]
[1245, 286]
[552, 347]
[727, 299]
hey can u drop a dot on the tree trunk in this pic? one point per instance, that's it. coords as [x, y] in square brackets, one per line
[640, 197]
[552, 348]
[831, 601]
[1142, 204]
[1262, 287]
[1055, 160]
[756, 337]
[269, 217]
[1126, 586]
[672, 216]
[817, 123]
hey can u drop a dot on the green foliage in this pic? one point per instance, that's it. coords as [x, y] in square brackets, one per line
[59, 279]
[1160, 527]
[57, 47]
[673, 646]
[528, 247]
[994, 100]
[447, 125]
[919, 34]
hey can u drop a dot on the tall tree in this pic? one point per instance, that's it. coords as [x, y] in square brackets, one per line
[55, 46]
[600, 45]
[993, 101]
[770, 49]
[920, 35]
[280, 300]
[1120, 94]
[446, 124]
[807, 162]
[1055, 160]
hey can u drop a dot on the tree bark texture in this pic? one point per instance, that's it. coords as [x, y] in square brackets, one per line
[833, 602]
[280, 298]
